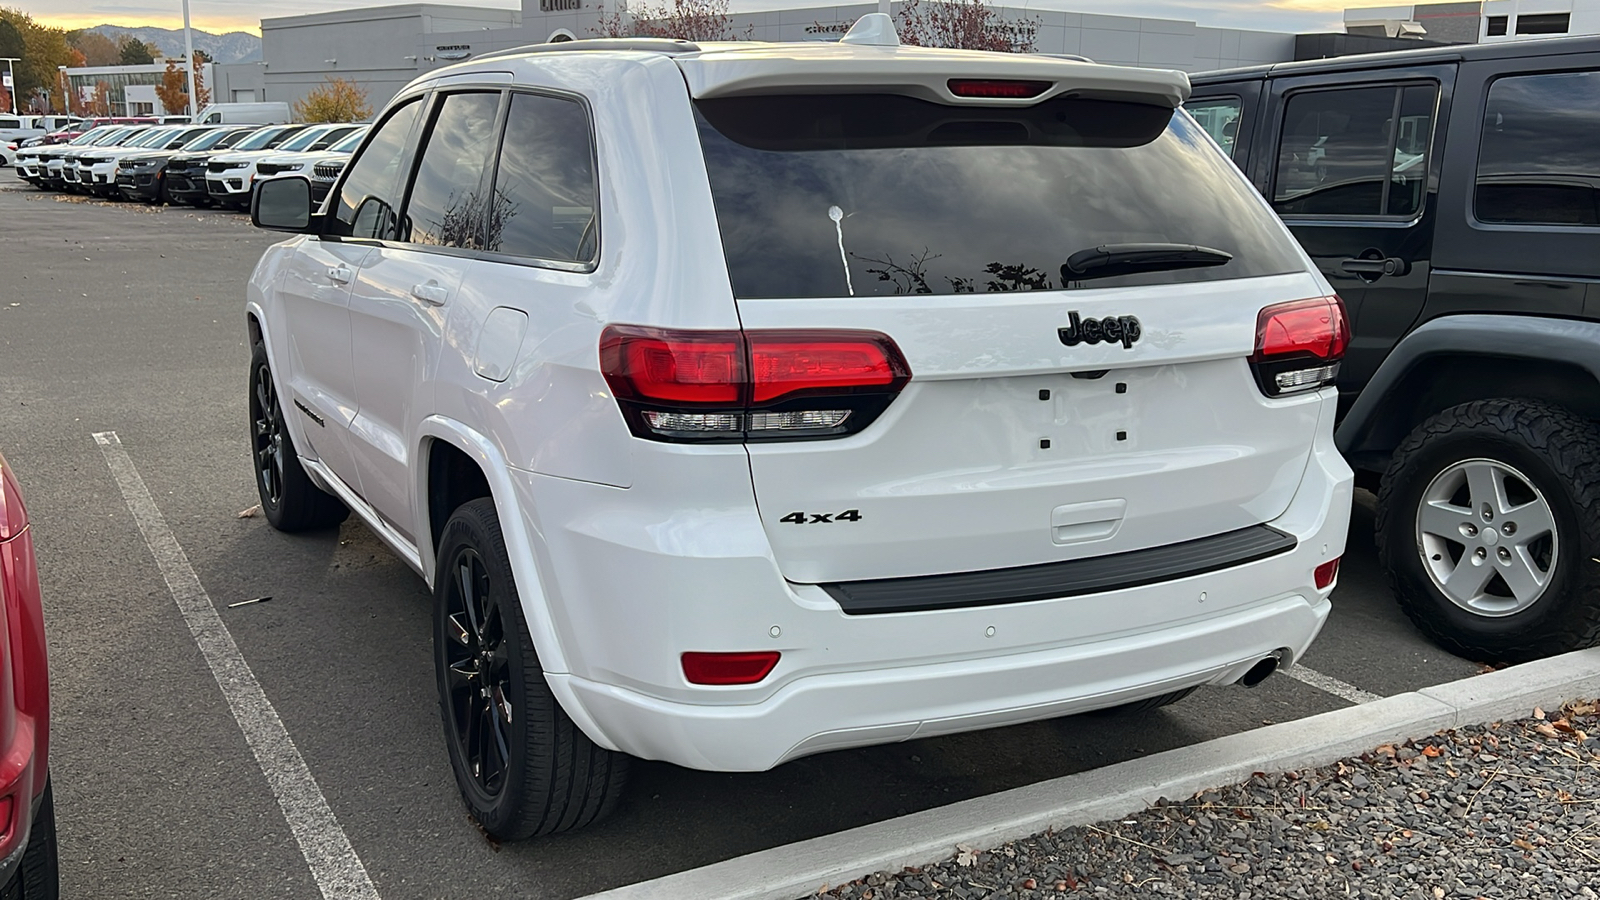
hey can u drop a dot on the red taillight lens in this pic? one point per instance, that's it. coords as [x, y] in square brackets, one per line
[1299, 344]
[728, 668]
[1325, 574]
[997, 88]
[790, 362]
[677, 367]
[725, 386]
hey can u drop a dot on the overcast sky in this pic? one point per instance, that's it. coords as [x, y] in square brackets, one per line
[245, 15]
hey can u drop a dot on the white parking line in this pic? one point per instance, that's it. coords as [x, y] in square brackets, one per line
[1330, 684]
[334, 865]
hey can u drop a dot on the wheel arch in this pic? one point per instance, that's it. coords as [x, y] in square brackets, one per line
[465, 443]
[1459, 359]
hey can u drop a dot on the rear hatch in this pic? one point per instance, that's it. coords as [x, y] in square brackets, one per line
[1052, 413]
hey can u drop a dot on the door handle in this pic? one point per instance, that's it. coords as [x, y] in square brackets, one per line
[431, 293]
[340, 274]
[1391, 265]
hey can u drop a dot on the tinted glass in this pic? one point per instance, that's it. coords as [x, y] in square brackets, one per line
[213, 138]
[11, 123]
[447, 206]
[1539, 159]
[832, 196]
[349, 142]
[1545, 23]
[304, 139]
[1495, 26]
[1219, 116]
[267, 138]
[1341, 154]
[544, 189]
[367, 200]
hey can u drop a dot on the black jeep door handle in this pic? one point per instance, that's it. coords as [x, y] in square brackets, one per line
[1392, 265]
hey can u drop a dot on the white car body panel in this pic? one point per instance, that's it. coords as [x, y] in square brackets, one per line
[627, 552]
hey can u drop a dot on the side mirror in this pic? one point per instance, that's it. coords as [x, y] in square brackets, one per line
[282, 204]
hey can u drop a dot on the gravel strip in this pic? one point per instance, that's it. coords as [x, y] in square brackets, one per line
[1506, 810]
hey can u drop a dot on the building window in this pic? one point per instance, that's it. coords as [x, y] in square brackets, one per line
[1548, 23]
[141, 109]
[1497, 26]
[1538, 163]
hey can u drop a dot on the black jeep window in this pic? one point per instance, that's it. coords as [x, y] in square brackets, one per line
[1342, 154]
[544, 190]
[864, 195]
[447, 206]
[367, 200]
[1219, 116]
[1539, 159]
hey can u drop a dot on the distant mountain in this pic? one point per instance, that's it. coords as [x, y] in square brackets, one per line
[235, 46]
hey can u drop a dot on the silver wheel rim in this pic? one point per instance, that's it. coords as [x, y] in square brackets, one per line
[1487, 537]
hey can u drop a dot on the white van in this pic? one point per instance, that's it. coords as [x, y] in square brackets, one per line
[265, 113]
[20, 128]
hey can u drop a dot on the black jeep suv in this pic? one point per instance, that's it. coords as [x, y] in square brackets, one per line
[1451, 195]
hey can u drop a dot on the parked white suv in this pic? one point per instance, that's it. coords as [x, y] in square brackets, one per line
[746, 401]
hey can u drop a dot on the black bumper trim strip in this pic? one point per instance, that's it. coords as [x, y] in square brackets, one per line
[1069, 578]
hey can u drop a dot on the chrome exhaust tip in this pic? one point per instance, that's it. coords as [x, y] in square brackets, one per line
[1259, 672]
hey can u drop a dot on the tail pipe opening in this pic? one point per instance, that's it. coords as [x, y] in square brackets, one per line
[1259, 672]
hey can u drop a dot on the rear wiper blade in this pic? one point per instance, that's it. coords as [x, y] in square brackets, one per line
[1108, 260]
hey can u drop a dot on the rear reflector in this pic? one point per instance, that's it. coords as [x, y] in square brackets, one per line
[1299, 344]
[750, 385]
[1326, 573]
[728, 668]
[996, 88]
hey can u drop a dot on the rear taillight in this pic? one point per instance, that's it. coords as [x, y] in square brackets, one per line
[728, 668]
[731, 386]
[1299, 345]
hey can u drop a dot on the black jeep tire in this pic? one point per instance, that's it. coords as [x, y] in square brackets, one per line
[522, 766]
[1533, 590]
[289, 499]
[37, 876]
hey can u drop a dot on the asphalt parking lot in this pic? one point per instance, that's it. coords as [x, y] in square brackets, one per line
[129, 319]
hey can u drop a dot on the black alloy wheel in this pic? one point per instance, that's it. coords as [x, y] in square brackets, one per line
[289, 499]
[477, 669]
[267, 433]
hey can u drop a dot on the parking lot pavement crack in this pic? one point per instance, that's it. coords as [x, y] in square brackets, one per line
[338, 872]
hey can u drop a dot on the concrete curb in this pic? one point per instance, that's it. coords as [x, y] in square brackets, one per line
[800, 869]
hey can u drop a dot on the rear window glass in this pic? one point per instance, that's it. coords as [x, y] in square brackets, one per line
[870, 195]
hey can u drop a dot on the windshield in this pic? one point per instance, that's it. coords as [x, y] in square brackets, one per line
[92, 136]
[152, 138]
[260, 140]
[304, 139]
[862, 195]
[111, 137]
[349, 142]
[211, 138]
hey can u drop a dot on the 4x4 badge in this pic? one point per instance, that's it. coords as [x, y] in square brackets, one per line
[1092, 331]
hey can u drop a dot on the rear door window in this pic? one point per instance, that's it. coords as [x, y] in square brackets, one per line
[863, 195]
[1355, 152]
[1539, 157]
[447, 205]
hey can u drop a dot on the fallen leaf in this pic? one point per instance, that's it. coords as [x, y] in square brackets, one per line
[1029, 884]
[1431, 752]
[1563, 725]
[966, 857]
[1545, 729]
[1538, 713]
[1519, 842]
[250, 513]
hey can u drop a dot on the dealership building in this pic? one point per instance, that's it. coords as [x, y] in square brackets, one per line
[382, 48]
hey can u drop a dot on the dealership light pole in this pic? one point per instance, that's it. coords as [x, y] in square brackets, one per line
[188, 58]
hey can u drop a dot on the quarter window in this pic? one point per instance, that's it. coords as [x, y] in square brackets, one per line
[1538, 160]
[366, 207]
[447, 206]
[545, 203]
[1355, 152]
[1219, 116]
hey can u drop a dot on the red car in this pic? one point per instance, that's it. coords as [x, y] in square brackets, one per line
[27, 813]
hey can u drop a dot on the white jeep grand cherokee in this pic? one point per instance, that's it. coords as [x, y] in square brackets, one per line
[746, 401]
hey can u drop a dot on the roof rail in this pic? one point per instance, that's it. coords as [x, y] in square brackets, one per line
[668, 46]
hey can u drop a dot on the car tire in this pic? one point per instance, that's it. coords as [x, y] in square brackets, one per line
[37, 876]
[161, 198]
[1471, 584]
[522, 766]
[289, 499]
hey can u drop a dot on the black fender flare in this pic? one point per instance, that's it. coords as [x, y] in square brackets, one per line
[1540, 341]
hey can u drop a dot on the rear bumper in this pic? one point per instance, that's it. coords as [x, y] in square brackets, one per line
[632, 580]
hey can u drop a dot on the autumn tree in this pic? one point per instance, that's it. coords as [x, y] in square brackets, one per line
[335, 100]
[964, 25]
[689, 20]
[173, 89]
[97, 49]
[43, 49]
[134, 52]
